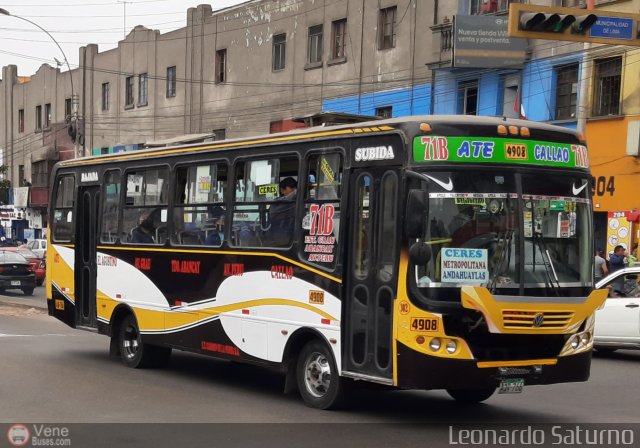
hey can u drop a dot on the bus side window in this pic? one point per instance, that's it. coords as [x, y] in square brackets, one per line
[265, 203]
[199, 204]
[321, 220]
[144, 217]
[111, 206]
[63, 223]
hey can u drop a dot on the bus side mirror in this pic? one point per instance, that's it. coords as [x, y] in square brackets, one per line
[416, 213]
[419, 253]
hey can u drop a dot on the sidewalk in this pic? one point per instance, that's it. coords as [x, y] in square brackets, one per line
[37, 301]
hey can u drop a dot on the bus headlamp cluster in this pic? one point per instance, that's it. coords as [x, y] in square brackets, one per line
[580, 339]
[450, 346]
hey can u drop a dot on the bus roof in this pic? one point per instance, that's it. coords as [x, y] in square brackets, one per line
[408, 123]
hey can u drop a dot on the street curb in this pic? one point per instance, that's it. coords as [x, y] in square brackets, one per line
[17, 302]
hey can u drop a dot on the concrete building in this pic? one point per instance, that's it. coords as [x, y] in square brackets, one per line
[257, 67]
[240, 71]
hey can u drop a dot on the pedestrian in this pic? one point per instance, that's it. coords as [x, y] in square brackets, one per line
[633, 258]
[601, 269]
[617, 262]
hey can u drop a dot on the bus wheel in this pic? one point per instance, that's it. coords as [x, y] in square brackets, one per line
[318, 381]
[471, 396]
[134, 352]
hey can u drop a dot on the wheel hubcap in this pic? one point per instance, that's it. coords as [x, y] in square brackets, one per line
[317, 375]
[131, 342]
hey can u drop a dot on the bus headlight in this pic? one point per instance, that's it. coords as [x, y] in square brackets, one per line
[452, 347]
[585, 338]
[575, 342]
[435, 344]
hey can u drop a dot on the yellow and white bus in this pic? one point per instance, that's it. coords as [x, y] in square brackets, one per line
[433, 252]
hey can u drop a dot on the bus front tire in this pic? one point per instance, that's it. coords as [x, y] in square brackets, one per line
[317, 375]
[471, 396]
[134, 352]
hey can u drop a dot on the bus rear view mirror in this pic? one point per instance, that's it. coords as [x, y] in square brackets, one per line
[419, 253]
[416, 213]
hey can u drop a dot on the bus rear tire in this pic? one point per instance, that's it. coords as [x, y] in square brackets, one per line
[317, 375]
[471, 396]
[134, 352]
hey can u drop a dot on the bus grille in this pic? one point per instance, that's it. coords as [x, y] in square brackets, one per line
[518, 319]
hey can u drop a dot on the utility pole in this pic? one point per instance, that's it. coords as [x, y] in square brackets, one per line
[124, 17]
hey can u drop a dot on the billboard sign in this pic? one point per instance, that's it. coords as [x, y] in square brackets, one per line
[483, 42]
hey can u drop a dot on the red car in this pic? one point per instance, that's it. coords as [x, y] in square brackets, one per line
[38, 265]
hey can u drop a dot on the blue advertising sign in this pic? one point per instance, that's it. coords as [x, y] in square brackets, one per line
[613, 28]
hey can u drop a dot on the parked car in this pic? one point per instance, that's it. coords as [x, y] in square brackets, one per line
[39, 247]
[38, 264]
[618, 322]
[16, 272]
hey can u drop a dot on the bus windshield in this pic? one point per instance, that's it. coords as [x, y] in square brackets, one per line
[514, 234]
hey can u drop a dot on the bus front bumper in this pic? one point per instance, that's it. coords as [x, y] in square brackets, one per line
[419, 371]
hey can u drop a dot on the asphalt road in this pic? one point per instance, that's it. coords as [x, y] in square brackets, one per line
[51, 373]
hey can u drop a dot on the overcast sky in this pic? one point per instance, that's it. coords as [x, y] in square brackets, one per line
[74, 23]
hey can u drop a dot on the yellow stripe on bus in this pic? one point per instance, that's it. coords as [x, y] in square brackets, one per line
[201, 251]
[174, 319]
[523, 363]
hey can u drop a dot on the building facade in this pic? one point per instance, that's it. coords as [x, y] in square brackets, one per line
[253, 68]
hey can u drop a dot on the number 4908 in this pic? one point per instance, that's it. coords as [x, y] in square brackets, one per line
[424, 324]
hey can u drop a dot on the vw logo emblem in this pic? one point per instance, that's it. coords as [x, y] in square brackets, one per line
[538, 320]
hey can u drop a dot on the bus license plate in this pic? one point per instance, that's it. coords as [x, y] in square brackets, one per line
[15, 282]
[511, 386]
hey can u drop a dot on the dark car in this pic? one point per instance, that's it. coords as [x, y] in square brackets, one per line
[39, 264]
[16, 272]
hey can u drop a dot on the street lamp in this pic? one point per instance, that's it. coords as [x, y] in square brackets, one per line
[74, 105]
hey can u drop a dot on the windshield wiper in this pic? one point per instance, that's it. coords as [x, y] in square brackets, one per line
[505, 255]
[547, 262]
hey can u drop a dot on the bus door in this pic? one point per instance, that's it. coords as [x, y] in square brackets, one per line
[372, 276]
[86, 269]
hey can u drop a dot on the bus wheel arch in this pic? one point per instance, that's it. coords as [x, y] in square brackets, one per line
[135, 353]
[311, 363]
[292, 349]
[117, 317]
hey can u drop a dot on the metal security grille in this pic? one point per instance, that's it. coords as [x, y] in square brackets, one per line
[608, 77]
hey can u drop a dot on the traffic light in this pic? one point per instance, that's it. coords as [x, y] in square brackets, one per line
[532, 21]
[582, 24]
[556, 23]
